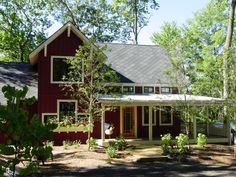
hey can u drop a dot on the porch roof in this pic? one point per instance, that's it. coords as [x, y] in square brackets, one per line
[159, 99]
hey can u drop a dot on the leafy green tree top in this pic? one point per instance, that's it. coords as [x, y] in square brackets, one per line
[22, 28]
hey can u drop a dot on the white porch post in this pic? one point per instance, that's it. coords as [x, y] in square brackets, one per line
[102, 125]
[150, 123]
[194, 128]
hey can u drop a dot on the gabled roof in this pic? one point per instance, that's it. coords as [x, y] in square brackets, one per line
[142, 64]
[68, 26]
[18, 75]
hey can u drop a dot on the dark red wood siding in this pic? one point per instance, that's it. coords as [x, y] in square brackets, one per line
[138, 89]
[175, 90]
[49, 93]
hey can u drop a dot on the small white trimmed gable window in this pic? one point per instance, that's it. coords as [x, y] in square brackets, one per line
[60, 69]
[148, 89]
[165, 90]
[166, 116]
[128, 89]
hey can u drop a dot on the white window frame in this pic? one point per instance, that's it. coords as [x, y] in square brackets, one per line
[51, 70]
[128, 86]
[48, 114]
[171, 117]
[67, 100]
[149, 92]
[155, 118]
[170, 90]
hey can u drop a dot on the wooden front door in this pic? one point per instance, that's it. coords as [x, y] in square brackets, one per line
[128, 122]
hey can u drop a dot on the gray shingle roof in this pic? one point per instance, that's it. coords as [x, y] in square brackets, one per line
[18, 75]
[143, 64]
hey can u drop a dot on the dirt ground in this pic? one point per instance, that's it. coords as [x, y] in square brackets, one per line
[79, 160]
[72, 159]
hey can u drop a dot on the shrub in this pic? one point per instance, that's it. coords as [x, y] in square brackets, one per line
[111, 152]
[66, 144]
[165, 143]
[76, 144]
[121, 143]
[42, 153]
[92, 143]
[201, 140]
[182, 140]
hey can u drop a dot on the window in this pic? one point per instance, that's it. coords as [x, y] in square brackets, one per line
[128, 89]
[60, 70]
[166, 116]
[146, 116]
[165, 90]
[83, 118]
[148, 89]
[67, 111]
[49, 118]
[114, 89]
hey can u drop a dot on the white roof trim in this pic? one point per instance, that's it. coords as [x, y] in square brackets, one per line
[160, 99]
[33, 55]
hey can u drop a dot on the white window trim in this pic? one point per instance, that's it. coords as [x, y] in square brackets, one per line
[128, 86]
[51, 71]
[171, 119]
[45, 114]
[155, 118]
[67, 100]
[148, 86]
[165, 92]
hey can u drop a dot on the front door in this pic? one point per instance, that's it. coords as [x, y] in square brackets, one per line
[128, 122]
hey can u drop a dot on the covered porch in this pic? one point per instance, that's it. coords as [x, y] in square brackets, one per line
[134, 110]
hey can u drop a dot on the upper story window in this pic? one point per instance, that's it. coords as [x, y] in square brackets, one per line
[60, 69]
[148, 89]
[114, 89]
[165, 90]
[128, 89]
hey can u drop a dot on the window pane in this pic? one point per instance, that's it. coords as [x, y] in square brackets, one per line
[166, 115]
[146, 116]
[60, 69]
[67, 112]
[165, 89]
[148, 89]
[128, 89]
[50, 119]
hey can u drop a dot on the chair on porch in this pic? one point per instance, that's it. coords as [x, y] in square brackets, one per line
[109, 129]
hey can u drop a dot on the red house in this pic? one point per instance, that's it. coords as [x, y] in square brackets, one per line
[145, 108]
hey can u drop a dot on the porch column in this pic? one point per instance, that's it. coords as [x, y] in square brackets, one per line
[102, 125]
[194, 128]
[150, 123]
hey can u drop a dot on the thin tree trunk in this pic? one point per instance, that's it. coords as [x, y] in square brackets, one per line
[226, 55]
[135, 22]
[226, 50]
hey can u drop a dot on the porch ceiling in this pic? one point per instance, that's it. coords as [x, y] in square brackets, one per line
[159, 99]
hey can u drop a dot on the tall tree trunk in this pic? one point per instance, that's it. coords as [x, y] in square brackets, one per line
[226, 55]
[135, 22]
[226, 50]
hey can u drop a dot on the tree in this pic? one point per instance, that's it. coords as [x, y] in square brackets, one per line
[24, 137]
[95, 18]
[136, 14]
[197, 46]
[22, 28]
[90, 76]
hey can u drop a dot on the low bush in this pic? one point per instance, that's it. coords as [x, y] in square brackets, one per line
[201, 140]
[111, 152]
[166, 143]
[92, 143]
